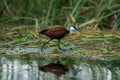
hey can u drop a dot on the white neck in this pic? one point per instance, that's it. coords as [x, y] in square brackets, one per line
[71, 30]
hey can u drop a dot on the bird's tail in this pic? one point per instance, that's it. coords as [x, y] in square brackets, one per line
[43, 31]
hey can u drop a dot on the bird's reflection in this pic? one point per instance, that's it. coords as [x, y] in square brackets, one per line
[55, 68]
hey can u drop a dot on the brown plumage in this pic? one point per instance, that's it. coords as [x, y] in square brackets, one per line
[57, 33]
[54, 33]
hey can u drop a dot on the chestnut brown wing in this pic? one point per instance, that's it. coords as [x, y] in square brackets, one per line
[57, 32]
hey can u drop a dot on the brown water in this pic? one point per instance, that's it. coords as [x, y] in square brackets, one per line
[27, 68]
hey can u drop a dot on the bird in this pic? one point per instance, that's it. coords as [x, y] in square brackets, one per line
[57, 33]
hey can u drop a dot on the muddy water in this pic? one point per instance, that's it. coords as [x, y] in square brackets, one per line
[27, 68]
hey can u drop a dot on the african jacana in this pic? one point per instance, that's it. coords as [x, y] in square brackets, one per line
[57, 33]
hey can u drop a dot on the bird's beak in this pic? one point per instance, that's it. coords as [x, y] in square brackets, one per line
[77, 29]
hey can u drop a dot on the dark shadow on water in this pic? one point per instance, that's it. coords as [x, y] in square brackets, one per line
[58, 69]
[29, 68]
[55, 68]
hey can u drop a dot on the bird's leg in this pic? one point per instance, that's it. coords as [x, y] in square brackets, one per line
[59, 46]
[45, 44]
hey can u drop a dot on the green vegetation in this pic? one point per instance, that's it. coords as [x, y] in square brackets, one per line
[93, 13]
[94, 51]
[88, 43]
[21, 19]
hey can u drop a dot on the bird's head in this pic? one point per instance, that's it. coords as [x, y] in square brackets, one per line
[74, 28]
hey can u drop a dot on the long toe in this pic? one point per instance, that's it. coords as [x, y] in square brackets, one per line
[62, 49]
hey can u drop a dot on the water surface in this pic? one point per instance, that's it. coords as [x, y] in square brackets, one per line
[27, 68]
